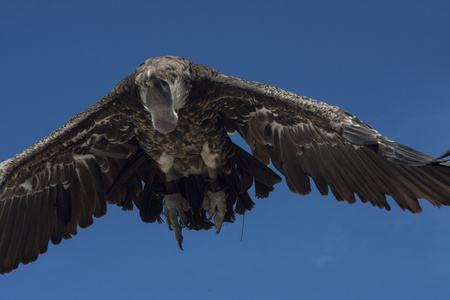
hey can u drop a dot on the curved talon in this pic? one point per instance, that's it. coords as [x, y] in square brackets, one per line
[214, 203]
[174, 207]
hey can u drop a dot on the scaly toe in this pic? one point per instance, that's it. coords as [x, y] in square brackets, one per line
[215, 205]
[174, 207]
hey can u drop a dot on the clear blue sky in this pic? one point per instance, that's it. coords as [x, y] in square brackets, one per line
[387, 62]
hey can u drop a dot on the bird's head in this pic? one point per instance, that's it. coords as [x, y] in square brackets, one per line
[164, 85]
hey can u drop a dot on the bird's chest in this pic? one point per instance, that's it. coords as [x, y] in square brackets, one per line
[194, 130]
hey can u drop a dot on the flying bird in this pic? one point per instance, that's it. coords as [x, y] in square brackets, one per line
[160, 141]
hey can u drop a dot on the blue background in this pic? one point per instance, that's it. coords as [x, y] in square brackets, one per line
[385, 61]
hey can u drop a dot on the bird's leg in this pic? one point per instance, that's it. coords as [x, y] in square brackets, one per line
[214, 201]
[174, 204]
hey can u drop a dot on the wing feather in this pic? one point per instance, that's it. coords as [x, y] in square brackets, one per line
[61, 182]
[304, 138]
[29, 233]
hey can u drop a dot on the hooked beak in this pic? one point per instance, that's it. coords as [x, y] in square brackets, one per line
[158, 100]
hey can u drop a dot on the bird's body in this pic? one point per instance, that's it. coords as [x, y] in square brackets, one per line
[160, 141]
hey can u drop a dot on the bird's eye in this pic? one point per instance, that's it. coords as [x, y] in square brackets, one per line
[164, 83]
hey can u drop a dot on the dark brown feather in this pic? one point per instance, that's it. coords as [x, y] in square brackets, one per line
[305, 137]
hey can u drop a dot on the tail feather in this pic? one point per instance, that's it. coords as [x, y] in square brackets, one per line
[263, 176]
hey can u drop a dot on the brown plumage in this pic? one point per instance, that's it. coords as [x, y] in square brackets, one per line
[159, 141]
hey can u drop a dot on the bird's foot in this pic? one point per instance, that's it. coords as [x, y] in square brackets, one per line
[175, 207]
[214, 203]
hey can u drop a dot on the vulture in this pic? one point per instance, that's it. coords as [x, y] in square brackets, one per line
[160, 141]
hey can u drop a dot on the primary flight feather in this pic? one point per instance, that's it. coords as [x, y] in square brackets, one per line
[160, 141]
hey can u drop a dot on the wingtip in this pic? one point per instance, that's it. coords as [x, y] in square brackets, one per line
[446, 154]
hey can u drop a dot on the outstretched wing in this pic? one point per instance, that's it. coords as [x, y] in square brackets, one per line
[306, 138]
[59, 183]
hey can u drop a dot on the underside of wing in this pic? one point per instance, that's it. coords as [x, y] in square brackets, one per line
[305, 138]
[61, 182]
